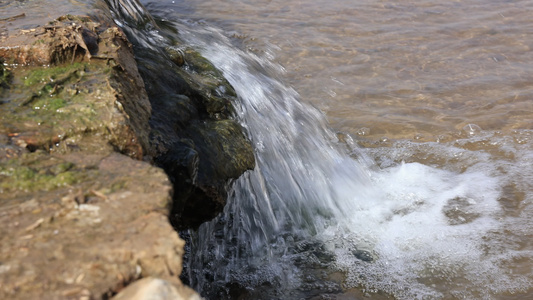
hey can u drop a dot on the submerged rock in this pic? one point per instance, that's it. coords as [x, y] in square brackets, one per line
[5, 77]
[155, 289]
[363, 255]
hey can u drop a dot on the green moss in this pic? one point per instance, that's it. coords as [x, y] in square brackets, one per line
[70, 17]
[51, 74]
[65, 179]
[28, 179]
[71, 105]
[5, 76]
[61, 168]
[118, 185]
[51, 104]
[200, 64]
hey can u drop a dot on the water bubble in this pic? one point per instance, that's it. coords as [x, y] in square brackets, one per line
[363, 131]
[471, 129]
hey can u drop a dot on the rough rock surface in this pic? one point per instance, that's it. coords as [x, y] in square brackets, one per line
[80, 216]
[88, 237]
[83, 213]
[46, 106]
[155, 289]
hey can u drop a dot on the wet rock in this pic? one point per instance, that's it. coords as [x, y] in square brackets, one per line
[460, 210]
[315, 253]
[80, 215]
[5, 77]
[155, 289]
[363, 255]
[176, 55]
[201, 164]
[226, 150]
[471, 130]
[194, 136]
[215, 93]
[61, 108]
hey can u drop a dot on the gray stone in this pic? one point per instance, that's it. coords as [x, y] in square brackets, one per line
[156, 289]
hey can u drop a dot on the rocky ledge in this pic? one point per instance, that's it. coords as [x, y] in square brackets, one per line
[85, 206]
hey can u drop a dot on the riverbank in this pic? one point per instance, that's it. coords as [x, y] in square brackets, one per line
[84, 210]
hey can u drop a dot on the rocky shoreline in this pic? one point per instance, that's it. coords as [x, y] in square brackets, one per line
[103, 158]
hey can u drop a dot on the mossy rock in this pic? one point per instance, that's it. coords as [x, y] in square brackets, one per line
[225, 144]
[37, 171]
[66, 108]
[5, 77]
[65, 192]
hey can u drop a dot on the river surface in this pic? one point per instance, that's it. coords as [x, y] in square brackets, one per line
[393, 140]
[434, 99]
[410, 69]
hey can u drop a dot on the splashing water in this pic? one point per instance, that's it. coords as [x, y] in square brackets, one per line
[410, 230]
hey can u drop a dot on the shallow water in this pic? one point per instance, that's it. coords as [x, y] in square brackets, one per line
[16, 15]
[415, 70]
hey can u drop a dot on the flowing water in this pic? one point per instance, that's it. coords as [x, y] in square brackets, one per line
[420, 185]
[393, 144]
[26, 15]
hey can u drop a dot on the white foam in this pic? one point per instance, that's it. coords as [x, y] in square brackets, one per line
[432, 233]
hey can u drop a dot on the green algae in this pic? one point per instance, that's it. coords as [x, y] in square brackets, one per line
[49, 75]
[35, 172]
[52, 104]
[5, 76]
[118, 186]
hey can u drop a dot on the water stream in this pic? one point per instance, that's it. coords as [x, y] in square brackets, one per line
[321, 217]
[314, 203]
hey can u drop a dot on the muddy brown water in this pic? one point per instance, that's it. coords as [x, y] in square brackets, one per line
[396, 70]
[16, 15]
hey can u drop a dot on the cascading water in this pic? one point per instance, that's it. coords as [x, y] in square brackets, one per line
[410, 230]
[316, 207]
[293, 194]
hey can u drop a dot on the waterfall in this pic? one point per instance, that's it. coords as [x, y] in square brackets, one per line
[304, 181]
[314, 203]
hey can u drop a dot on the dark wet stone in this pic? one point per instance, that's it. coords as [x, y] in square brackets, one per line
[194, 138]
[459, 211]
[5, 77]
[175, 55]
[363, 255]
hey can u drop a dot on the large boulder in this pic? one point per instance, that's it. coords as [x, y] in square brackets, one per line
[80, 225]
[81, 215]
